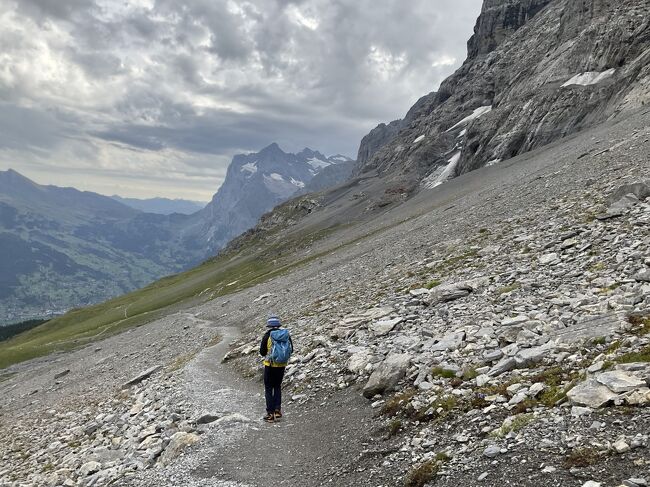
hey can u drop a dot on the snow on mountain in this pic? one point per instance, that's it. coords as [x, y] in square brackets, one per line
[257, 182]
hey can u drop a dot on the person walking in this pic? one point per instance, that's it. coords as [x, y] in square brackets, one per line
[276, 348]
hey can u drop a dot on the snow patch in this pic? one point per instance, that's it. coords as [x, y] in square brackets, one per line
[462, 133]
[492, 162]
[250, 167]
[295, 182]
[589, 78]
[339, 158]
[479, 112]
[318, 163]
[441, 175]
[419, 139]
[276, 176]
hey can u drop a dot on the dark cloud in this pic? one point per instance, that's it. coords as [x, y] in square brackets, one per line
[200, 80]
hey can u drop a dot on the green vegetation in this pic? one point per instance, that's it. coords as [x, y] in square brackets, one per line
[513, 424]
[641, 324]
[442, 372]
[432, 284]
[227, 273]
[642, 355]
[9, 331]
[395, 404]
[393, 427]
[425, 472]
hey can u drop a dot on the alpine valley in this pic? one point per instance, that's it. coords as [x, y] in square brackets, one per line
[62, 248]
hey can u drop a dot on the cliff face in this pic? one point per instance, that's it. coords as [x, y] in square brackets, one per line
[498, 20]
[536, 71]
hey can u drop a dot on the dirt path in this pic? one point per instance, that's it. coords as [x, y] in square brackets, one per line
[319, 443]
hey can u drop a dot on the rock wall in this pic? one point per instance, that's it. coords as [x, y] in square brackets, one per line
[536, 71]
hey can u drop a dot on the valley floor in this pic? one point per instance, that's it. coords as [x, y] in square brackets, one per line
[503, 289]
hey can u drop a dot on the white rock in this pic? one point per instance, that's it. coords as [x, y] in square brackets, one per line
[619, 381]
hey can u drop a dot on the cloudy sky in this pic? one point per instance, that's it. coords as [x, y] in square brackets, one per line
[153, 97]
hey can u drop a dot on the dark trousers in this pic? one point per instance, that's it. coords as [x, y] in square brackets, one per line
[273, 387]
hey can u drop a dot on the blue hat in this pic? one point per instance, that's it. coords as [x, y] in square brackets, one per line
[273, 321]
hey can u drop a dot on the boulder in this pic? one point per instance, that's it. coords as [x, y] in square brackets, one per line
[384, 327]
[179, 441]
[449, 342]
[640, 190]
[89, 468]
[142, 376]
[387, 374]
[504, 365]
[591, 393]
[618, 381]
[449, 292]
[358, 361]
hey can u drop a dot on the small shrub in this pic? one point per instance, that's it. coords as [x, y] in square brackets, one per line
[581, 457]
[469, 374]
[422, 474]
[642, 355]
[641, 324]
[525, 405]
[433, 283]
[425, 472]
[613, 347]
[394, 405]
[393, 427]
[442, 372]
[517, 423]
[599, 341]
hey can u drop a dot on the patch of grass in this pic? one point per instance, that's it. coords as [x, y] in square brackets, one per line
[229, 272]
[580, 458]
[432, 284]
[642, 355]
[393, 427]
[613, 347]
[525, 405]
[483, 231]
[641, 324]
[609, 289]
[599, 341]
[470, 373]
[514, 425]
[397, 403]
[508, 289]
[598, 266]
[443, 373]
[425, 472]
[440, 408]
[181, 361]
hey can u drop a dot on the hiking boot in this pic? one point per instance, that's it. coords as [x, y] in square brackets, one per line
[269, 418]
[277, 414]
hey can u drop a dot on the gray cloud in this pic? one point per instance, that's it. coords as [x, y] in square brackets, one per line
[164, 87]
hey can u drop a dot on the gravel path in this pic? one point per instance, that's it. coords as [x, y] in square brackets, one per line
[315, 443]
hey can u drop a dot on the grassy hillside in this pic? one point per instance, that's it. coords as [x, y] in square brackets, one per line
[255, 262]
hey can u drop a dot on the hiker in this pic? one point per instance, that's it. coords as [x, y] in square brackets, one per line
[276, 348]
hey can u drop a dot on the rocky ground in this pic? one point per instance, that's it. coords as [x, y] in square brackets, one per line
[494, 332]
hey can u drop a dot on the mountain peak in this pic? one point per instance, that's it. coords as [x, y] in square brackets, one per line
[14, 177]
[272, 148]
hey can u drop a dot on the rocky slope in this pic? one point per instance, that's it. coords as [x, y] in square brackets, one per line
[474, 317]
[537, 71]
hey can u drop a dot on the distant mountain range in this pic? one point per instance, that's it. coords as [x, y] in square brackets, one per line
[162, 206]
[62, 248]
